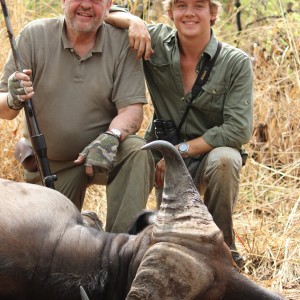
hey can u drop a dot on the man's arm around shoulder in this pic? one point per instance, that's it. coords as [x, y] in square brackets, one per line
[139, 37]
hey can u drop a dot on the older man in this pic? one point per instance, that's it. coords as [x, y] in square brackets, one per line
[77, 71]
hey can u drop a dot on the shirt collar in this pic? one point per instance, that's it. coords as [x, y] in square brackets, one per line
[99, 43]
[210, 49]
[171, 37]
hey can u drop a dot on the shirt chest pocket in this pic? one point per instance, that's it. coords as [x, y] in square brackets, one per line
[213, 97]
[160, 70]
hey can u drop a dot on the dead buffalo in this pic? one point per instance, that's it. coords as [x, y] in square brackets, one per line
[47, 251]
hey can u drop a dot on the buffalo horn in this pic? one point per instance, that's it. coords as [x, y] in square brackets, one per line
[182, 212]
[83, 294]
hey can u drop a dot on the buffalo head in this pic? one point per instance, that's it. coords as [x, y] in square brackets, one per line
[189, 258]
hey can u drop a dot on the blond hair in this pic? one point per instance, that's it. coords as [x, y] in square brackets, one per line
[215, 8]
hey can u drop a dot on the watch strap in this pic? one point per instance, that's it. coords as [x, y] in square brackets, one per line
[114, 132]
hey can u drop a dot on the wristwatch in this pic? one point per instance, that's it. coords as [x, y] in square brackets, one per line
[183, 149]
[115, 132]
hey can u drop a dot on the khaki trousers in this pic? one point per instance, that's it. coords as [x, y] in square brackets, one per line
[128, 185]
[217, 176]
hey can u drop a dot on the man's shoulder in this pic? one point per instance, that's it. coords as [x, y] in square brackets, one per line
[44, 23]
[160, 34]
[160, 28]
[115, 30]
[232, 57]
[231, 50]
[114, 37]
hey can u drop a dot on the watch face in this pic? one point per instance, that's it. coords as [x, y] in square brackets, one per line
[183, 148]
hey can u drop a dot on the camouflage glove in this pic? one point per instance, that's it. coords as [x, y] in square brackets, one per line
[101, 153]
[15, 89]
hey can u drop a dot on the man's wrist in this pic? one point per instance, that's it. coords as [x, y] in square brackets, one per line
[115, 132]
[13, 103]
[183, 149]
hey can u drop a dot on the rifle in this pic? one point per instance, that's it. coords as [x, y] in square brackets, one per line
[37, 139]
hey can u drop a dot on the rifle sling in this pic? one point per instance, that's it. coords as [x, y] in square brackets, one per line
[201, 79]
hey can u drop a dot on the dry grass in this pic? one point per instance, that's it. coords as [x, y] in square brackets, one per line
[267, 217]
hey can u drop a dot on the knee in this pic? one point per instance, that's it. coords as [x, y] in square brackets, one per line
[130, 149]
[131, 146]
[226, 163]
[225, 160]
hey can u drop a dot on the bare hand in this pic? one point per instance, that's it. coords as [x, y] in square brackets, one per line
[140, 40]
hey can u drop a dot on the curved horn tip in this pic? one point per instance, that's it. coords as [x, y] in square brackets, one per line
[83, 294]
[157, 144]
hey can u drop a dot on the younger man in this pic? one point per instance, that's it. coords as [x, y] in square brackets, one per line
[219, 120]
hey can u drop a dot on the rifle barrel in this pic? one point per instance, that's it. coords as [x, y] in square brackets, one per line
[37, 139]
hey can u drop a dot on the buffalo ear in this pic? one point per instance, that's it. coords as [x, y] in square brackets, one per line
[83, 294]
[90, 219]
[141, 221]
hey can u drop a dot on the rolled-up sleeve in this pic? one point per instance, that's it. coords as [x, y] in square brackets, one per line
[237, 125]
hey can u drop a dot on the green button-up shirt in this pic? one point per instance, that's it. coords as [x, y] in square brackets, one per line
[223, 111]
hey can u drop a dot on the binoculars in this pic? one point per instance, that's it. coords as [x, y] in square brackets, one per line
[166, 130]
